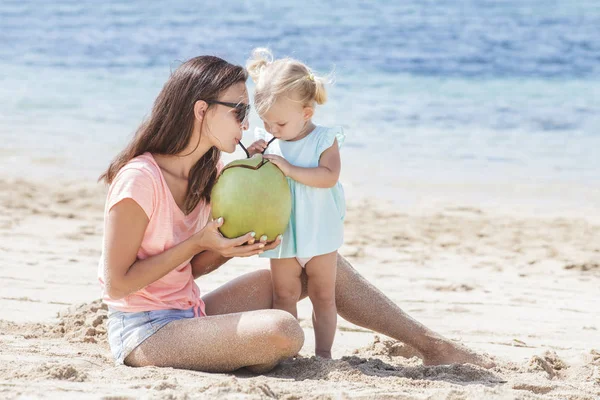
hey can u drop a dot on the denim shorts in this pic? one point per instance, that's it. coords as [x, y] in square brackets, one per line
[127, 330]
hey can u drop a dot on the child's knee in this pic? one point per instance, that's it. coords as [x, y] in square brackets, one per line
[324, 297]
[287, 295]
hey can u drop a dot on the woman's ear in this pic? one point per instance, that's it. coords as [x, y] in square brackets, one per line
[308, 113]
[200, 108]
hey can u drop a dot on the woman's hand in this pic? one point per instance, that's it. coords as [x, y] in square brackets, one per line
[281, 163]
[257, 147]
[208, 261]
[211, 239]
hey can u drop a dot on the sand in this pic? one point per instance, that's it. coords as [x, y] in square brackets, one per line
[517, 285]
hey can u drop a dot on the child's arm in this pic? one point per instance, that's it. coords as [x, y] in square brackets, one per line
[325, 175]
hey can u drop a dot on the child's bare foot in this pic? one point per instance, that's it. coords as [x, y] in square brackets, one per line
[323, 354]
[447, 352]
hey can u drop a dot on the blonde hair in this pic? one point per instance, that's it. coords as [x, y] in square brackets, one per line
[286, 76]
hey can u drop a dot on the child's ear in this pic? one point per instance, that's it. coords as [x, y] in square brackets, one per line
[308, 113]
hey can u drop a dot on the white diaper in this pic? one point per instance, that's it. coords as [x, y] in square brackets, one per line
[303, 261]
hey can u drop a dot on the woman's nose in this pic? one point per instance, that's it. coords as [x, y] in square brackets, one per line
[245, 125]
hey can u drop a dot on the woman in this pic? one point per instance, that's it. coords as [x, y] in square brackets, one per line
[158, 239]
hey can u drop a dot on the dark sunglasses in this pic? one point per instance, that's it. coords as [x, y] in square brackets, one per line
[241, 113]
[241, 110]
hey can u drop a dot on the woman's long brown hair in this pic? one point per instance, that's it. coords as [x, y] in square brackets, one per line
[168, 130]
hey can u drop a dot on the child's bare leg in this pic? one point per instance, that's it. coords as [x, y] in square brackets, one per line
[321, 272]
[287, 286]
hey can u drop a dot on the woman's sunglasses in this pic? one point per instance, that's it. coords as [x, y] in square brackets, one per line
[241, 114]
[241, 110]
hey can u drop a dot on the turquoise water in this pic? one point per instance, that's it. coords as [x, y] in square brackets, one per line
[464, 92]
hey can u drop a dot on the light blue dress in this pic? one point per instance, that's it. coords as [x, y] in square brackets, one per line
[316, 224]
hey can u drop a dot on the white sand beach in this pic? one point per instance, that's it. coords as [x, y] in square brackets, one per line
[521, 288]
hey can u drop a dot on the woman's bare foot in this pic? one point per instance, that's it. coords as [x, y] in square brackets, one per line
[447, 352]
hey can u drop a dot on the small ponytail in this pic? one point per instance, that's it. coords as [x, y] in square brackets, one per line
[320, 91]
[261, 57]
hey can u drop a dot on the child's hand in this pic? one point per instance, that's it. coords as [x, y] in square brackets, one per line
[257, 147]
[281, 162]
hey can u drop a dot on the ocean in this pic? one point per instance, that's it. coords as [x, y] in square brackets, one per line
[473, 97]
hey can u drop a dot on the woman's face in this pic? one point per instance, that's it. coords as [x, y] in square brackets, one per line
[222, 122]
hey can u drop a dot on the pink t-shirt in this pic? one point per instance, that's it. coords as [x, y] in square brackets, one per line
[142, 180]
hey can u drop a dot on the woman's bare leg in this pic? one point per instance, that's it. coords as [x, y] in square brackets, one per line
[356, 301]
[258, 340]
[361, 303]
[248, 292]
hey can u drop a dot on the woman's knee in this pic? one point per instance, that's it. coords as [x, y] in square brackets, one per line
[264, 275]
[283, 332]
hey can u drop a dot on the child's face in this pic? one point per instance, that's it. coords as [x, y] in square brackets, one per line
[286, 118]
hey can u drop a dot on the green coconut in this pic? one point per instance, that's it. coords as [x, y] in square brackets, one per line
[252, 195]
